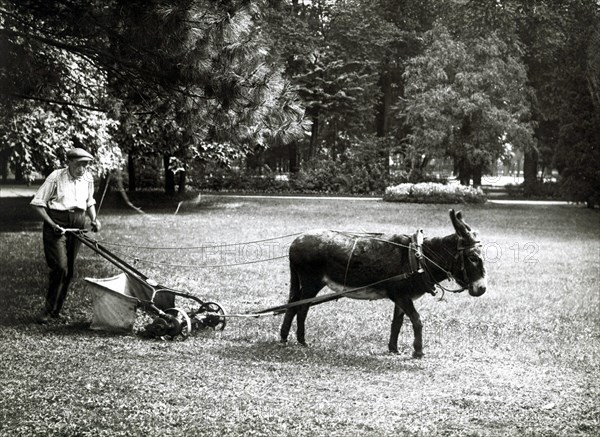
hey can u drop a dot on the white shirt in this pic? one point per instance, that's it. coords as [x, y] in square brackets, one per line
[61, 191]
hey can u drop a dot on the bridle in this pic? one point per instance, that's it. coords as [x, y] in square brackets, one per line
[463, 251]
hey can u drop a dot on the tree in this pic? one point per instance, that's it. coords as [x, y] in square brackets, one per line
[540, 26]
[198, 68]
[578, 109]
[466, 99]
[402, 24]
[335, 79]
[346, 59]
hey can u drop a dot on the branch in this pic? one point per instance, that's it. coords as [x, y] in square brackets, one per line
[56, 102]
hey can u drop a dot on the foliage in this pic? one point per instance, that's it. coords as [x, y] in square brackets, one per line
[540, 190]
[334, 53]
[466, 99]
[188, 79]
[198, 82]
[578, 152]
[430, 192]
[40, 138]
[362, 169]
[40, 132]
[323, 177]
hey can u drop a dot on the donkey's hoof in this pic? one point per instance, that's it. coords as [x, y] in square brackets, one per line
[394, 351]
[418, 354]
[302, 343]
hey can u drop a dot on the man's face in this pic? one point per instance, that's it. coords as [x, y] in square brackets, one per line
[78, 168]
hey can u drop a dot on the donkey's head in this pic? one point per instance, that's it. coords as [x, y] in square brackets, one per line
[468, 270]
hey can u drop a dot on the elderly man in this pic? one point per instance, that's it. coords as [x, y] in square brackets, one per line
[62, 202]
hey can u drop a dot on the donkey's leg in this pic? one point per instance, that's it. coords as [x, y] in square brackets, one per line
[310, 288]
[300, 324]
[290, 313]
[396, 326]
[409, 309]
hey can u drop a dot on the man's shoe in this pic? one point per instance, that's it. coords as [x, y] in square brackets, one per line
[43, 318]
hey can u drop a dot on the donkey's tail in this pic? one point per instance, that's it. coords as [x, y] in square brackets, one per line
[294, 284]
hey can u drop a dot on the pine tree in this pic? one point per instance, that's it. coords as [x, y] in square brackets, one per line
[185, 79]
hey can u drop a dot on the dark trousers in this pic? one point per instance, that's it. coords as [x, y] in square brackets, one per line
[61, 251]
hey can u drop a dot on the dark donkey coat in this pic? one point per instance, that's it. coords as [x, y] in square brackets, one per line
[346, 261]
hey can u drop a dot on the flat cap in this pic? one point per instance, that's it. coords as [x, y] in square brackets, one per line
[78, 154]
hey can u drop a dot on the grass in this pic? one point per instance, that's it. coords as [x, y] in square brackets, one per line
[523, 359]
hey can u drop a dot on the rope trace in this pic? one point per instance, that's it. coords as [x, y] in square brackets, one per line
[214, 246]
[196, 266]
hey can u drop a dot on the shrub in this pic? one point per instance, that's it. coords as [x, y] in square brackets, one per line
[542, 190]
[581, 190]
[429, 192]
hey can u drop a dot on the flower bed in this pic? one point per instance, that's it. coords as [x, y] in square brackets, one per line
[429, 192]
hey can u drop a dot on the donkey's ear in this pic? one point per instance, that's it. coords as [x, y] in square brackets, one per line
[459, 216]
[458, 224]
[454, 219]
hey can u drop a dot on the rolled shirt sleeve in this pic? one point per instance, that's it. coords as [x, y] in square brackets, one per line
[46, 192]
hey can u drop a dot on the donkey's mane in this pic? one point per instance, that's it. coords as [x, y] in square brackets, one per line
[441, 250]
[448, 242]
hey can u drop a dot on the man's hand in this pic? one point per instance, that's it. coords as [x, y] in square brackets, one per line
[58, 229]
[96, 225]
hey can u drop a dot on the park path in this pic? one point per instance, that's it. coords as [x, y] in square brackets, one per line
[29, 191]
[493, 201]
[17, 190]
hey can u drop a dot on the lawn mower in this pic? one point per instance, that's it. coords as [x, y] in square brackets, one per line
[116, 300]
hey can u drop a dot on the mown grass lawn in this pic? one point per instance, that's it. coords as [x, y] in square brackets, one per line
[523, 359]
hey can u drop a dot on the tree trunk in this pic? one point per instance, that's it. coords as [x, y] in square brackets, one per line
[530, 170]
[19, 173]
[169, 176]
[293, 156]
[464, 171]
[314, 136]
[5, 162]
[131, 172]
[477, 175]
[425, 160]
[4, 166]
[182, 181]
[383, 109]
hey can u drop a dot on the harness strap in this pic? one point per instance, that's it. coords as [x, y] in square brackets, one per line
[415, 259]
[415, 253]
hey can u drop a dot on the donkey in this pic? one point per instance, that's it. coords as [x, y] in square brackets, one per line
[378, 266]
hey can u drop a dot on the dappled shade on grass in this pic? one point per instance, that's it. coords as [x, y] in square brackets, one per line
[521, 360]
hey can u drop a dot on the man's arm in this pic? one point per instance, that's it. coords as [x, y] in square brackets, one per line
[91, 212]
